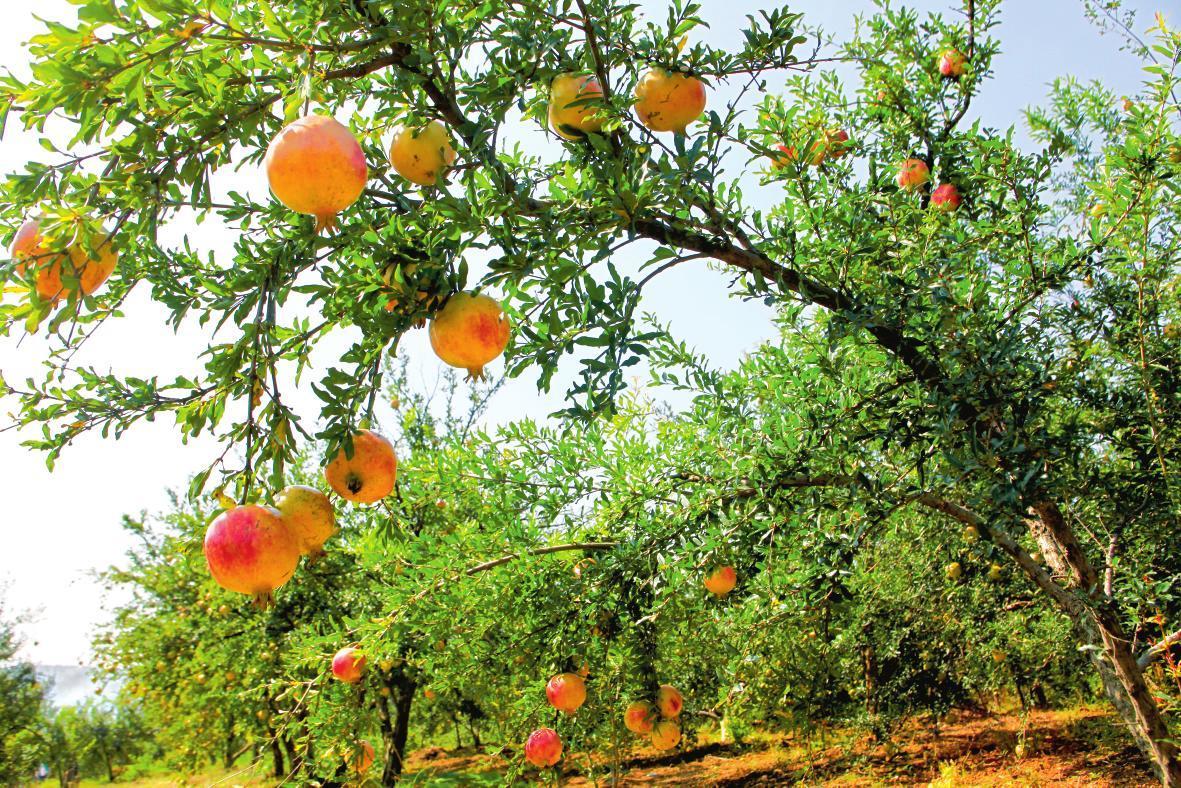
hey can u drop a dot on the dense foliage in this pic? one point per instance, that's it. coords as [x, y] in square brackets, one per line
[953, 473]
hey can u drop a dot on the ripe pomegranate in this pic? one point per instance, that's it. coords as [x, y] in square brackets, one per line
[75, 263]
[574, 122]
[670, 701]
[721, 581]
[428, 693]
[669, 102]
[953, 571]
[912, 174]
[640, 717]
[390, 276]
[310, 516]
[665, 735]
[362, 757]
[368, 475]
[348, 665]
[543, 747]
[946, 197]
[250, 550]
[566, 692]
[952, 63]
[422, 155]
[787, 155]
[836, 143]
[316, 166]
[469, 332]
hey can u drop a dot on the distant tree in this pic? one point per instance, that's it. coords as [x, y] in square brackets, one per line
[22, 745]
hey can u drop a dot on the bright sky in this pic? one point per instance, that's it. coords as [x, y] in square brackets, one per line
[62, 527]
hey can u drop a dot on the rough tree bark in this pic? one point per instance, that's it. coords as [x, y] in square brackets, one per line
[1098, 628]
[395, 727]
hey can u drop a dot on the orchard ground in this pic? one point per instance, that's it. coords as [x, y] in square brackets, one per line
[1080, 746]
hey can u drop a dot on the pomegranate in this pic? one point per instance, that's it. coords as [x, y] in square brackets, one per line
[348, 665]
[669, 700]
[665, 735]
[75, 263]
[362, 757]
[367, 476]
[390, 276]
[912, 174]
[422, 155]
[543, 747]
[469, 332]
[566, 692]
[669, 102]
[640, 717]
[428, 693]
[946, 197]
[952, 63]
[574, 122]
[309, 515]
[721, 581]
[250, 550]
[836, 143]
[316, 166]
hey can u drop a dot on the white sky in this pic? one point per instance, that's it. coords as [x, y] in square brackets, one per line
[61, 527]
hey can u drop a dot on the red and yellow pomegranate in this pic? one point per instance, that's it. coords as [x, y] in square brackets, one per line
[670, 701]
[348, 665]
[912, 174]
[310, 516]
[362, 757]
[721, 581]
[422, 155]
[946, 198]
[367, 476]
[665, 735]
[566, 692]
[250, 550]
[574, 122]
[640, 717]
[952, 63]
[668, 101]
[543, 748]
[836, 143]
[28, 249]
[469, 332]
[316, 166]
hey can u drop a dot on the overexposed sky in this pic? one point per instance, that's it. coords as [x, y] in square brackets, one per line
[61, 527]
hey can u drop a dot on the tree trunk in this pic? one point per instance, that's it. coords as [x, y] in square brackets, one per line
[395, 728]
[1097, 626]
[278, 767]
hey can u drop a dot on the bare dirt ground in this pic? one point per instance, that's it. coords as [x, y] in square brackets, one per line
[1045, 748]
